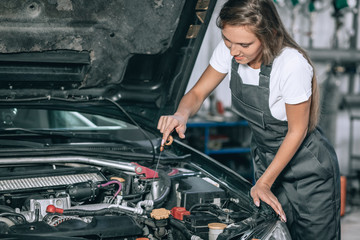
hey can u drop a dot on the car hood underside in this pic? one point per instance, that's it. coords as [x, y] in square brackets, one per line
[81, 48]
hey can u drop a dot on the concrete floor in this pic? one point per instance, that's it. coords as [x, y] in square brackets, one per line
[350, 224]
[350, 221]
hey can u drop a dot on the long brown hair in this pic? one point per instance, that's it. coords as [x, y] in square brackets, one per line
[262, 17]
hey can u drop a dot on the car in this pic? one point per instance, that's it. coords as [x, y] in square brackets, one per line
[82, 86]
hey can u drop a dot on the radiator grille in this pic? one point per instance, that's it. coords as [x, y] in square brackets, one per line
[48, 181]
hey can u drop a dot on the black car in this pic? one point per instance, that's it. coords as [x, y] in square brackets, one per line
[82, 86]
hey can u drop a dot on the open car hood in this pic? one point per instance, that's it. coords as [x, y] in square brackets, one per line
[135, 52]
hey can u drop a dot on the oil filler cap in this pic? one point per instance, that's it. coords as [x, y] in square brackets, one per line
[160, 213]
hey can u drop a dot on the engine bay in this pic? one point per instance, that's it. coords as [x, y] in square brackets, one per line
[127, 201]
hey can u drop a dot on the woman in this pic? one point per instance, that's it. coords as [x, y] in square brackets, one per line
[274, 88]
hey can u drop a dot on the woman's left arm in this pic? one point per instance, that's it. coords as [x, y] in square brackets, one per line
[298, 119]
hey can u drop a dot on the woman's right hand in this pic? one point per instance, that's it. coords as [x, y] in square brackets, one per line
[190, 104]
[168, 123]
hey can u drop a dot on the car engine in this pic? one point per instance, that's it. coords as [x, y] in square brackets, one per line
[127, 201]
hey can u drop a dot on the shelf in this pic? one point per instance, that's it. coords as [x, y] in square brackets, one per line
[229, 151]
[210, 124]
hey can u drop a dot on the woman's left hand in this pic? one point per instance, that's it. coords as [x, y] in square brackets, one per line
[261, 191]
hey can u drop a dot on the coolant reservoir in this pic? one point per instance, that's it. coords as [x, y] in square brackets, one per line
[215, 229]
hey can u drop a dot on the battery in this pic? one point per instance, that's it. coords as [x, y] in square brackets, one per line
[195, 190]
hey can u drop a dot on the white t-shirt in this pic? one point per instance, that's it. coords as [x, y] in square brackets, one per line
[290, 79]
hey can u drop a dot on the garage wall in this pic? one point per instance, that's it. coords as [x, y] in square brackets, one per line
[318, 29]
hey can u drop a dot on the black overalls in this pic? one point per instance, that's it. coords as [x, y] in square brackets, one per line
[309, 186]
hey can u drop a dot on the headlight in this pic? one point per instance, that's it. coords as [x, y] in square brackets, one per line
[278, 232]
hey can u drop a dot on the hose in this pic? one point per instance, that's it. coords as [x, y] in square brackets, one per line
[14, 214]
[215, 209]
[112, 182]
[135, 196]
[181, 227]
[204, 205]
[167, 184]
[4, 208]
[162, 198]
[100, 212]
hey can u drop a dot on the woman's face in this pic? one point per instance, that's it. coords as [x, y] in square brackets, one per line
[244, 46]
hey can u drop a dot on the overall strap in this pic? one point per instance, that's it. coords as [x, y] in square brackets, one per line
[264, 75]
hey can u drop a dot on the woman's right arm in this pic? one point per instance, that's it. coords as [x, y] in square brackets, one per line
[190, 104]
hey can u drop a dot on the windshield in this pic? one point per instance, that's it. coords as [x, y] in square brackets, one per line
[68, 127]
[58, 120]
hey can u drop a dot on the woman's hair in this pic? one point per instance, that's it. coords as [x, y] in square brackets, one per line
[263, 19]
